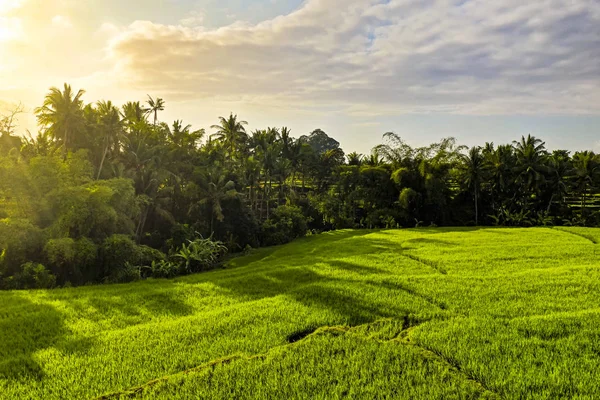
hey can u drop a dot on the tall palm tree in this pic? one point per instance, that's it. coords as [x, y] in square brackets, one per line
[473, 172]
[587, 173]
[61, 114]
[215, 187]
[286, 141]
[499, 163]
[231, 132]
[561, 169]
[531, 169]
[155, 105]
[111, 128]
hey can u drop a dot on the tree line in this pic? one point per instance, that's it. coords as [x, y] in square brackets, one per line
[105, 193]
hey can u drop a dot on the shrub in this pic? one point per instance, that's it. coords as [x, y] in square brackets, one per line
[199, 255]
[20, 242]
[161, 269]
[86, 260]
[59, 255]
[286, 224]
[31, 276]
[128, 273]
[116, 252]
[148, 255]
[71, 260]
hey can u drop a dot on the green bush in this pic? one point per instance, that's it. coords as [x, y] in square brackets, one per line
[20, 242]
[71, 260]
[86, 259]
[199, 255]
[161, 269]
[115, 252]
[30, 276]
[286, 224]
[148, 255]
[128, 273]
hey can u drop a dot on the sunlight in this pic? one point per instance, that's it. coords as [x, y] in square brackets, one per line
[10, 27]
[6, 5]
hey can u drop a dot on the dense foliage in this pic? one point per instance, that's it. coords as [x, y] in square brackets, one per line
[100, 186]
[430, 313]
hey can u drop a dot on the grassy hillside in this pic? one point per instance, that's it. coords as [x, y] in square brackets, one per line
[427, 313]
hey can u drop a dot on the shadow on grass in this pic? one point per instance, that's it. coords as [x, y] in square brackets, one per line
[33, 327]
[28, 327]
[310, 281]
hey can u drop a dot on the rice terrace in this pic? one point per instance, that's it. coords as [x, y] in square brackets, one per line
[463, 313]
[299, 199]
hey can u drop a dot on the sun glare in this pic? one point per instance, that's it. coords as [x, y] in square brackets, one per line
[10, 27]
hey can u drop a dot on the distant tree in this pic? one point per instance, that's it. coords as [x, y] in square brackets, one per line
[474, 173]
[320, 141]
[155, 105]
[61, 114]
[231, 132]
[111, 128]
[586, 173]
[354, 158]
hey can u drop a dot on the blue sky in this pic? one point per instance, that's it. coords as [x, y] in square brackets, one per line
[426, 69]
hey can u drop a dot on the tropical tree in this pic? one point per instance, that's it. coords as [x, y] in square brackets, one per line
[111, 129]
[155, 105]
[586, 166]
[215, 188]
[61, 114]
[231, 133]
[474, 174]
[133, 113]
[354, 158]
[530, 166]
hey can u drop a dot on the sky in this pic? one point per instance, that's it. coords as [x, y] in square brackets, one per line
[478, 70]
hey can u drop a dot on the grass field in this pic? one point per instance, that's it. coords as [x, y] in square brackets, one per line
[428, 313]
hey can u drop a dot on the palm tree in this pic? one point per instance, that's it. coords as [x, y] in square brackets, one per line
[286, 142]
[155, 106]
[133, 112]
[111, 128]
[354, 159]
[473, 172]
[182, 136]
[531, 169]
[61, 114]
[561, 169]
[231, 132]
[587, 171]
[215, 187]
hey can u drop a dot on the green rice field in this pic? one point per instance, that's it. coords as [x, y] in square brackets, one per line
[432, 313]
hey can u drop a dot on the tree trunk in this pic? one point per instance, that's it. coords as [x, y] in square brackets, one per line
[293, 179]
[250, 194]
[64, 151]
[476, 209]
[141, 224]
[550, 203]
[102, 162]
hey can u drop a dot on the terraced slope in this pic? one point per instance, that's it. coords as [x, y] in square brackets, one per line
[427, 313]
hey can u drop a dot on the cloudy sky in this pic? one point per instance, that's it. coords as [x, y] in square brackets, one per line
[479, 70]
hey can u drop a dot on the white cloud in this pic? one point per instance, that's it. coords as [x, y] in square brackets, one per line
[402, 56]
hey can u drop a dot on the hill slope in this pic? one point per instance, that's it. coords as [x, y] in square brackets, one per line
[427, 313]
